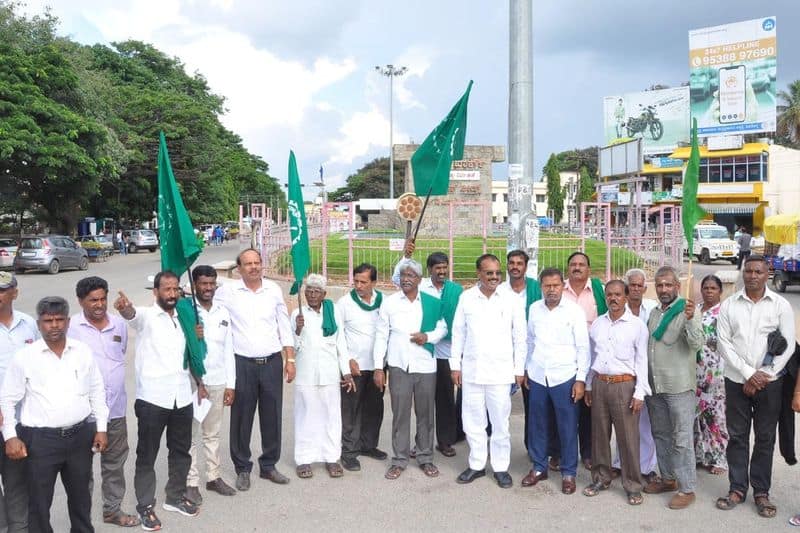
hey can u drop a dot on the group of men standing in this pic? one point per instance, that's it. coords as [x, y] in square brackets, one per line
[587, 357]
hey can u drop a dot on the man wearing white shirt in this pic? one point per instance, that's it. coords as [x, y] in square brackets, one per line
[17, 330]
[261, 334]
[753, 382]
[639, 306]
[488, 356]
[409, 324]
[59, 390]
[558, 361]
[320, 367]
[219, 381]
[362, 407]
[163, 399]
[615, 389]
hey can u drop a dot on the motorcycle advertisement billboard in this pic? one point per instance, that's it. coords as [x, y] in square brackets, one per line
[660, 118]
[732, 79]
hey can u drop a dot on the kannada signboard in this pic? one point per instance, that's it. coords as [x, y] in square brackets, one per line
[732, 79]
[660, 118]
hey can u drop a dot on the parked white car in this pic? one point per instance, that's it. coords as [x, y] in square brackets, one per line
[712, 242]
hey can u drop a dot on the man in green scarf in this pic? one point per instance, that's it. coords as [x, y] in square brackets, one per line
[676, 335]
[409, 324]
[362, 408]
[320, 367]
[588, 293]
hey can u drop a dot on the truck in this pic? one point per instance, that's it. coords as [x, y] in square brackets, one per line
[712, 242]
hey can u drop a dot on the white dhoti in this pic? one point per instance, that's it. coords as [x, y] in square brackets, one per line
[317, 424]
[477, 400]
[647, 446]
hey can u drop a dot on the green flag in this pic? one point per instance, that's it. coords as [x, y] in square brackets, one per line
[179, 249]
[178, 243]
[692, 213]
[431, 162]
[298, 229]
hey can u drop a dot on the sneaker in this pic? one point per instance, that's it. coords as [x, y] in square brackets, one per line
[184, 507]
[193, 495]
[150, 521]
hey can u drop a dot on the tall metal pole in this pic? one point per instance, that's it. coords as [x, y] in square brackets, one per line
[391, 71]
[523, 226]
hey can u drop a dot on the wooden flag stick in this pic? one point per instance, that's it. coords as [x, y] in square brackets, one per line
[689, 280]
[422, 213]
[299, 300]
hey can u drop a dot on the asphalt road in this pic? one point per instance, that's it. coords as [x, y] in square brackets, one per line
[365, 501]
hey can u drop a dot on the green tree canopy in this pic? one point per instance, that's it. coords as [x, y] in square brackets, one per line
[371, 181]
[555, 192]
[789, 116]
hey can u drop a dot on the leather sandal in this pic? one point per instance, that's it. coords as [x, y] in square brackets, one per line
[595, 488]
[118, 518]
[765, 507]
[334, 469]
[726, 503]
[635, 498]
[430, 469]
[304, 471]
[394, 472]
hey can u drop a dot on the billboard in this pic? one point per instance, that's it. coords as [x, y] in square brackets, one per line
[732, 80]
[660, 118]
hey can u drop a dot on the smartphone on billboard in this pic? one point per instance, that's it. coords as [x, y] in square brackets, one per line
[732, 99]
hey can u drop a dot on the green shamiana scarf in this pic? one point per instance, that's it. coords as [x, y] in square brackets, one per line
[328, 318]
[451, 292]
[195, 352]
[533, 293]
[366, 307]
[599, 296]
[676, 309]
[431, 313]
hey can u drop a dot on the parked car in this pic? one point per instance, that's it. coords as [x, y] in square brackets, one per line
[104, 240]
[711, 242]
[141, 239]
[51, 253]
[8, 249]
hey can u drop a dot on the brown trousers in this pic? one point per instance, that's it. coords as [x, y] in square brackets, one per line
[611, 405]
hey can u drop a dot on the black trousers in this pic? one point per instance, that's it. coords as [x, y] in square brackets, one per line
[362, 416]
[742, 257]
[447, 403]
[585, 430]
[51, 453]
[152, 420]
[14, 500]
[762, 410]
[257, 385]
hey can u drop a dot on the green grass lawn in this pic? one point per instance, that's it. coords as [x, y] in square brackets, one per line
[553, 252]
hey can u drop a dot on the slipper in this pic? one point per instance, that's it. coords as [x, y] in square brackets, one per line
[118, 518]
[334, 469]
[716, 470]
[765, 507]
[635, 498]
[430, 469]
[595, 488]
[730, 501]
[394, 472]
[795, 520]
[304, 471]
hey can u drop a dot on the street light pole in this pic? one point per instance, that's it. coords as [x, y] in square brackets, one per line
[390, 71]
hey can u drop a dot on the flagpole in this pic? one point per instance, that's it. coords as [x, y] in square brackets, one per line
[299, 300]
[689, 278]
[194, 295]
[422, 213]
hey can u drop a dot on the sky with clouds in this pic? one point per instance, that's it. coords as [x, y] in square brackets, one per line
[300, 74]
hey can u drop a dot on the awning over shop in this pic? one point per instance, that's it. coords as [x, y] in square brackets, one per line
[648, 168]
[747, 149]
[730, 209]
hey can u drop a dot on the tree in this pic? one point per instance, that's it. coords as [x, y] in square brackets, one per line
[585, 187]
[371, 181]
[555, 193]
[789, 116]
[50, 155]
[579, 157]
